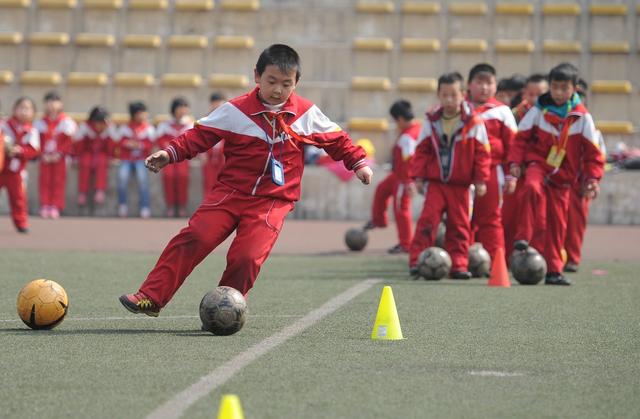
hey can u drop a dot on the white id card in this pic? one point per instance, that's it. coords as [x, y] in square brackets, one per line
[277, 172]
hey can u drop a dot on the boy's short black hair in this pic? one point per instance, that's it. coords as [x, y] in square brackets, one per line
[564, 72]
[135, 107]
[582, 86]
[283, 56]
[537, 78]
[401, 109]
[481, 68]
[217, 96]
[21, 99]
[178, 102]
[98, 114]
[52, 96]
[450, 78]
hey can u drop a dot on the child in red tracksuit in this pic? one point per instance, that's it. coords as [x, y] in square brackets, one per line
[557, 139]
[213, 159]
[486, 222]
[56, 139]
[22, 143]
[265, 132]
[175, 178]
[398, 185]
[93, 148]
[452, 154]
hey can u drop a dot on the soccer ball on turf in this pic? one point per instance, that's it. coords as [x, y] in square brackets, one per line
[528, 266]
[434, 263]
[42, 304]
[223, 311]
[356, 239]
[479, 261]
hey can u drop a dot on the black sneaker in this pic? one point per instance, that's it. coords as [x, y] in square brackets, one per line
[556, 278]
[460, 275]
[368, 226]
[521, 245]
[23, 230]
[396, 250]
[571, 267]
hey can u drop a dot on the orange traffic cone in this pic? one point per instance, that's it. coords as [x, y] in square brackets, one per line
[499, 274]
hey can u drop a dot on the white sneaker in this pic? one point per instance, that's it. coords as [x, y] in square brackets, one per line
[145, 212]
[123, 211]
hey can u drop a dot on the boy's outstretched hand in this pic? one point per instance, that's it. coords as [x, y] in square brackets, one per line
[364, 174]
[157, 161]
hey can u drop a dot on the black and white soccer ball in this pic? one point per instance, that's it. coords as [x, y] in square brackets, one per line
[479, 261]
[528, 266]
[223, 311]
[434, 263]
[356, 239]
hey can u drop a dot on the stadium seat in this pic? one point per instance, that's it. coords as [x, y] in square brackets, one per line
[377, 130]
[232, 54]
[36, 83]
[140, 53]
[94, 52]
[240, 5]
[368, 96]
[614, 127]
[8, 88]
[49, 51]
[468, 20]
[561, 21]
[187, 86]
[421, 20]
[610, 60]
[192, 17]
[100, 16]
[330, 97]
[375, 19]
[85, 90]
[127, 87]
[372, 56]
[237, 17]
[186, 53]
[14, 15]
[420, 91]
[420, 57]
[611, 99]
[55, 15]
[12, 51]
[557, 51]
[231, 84]
[147, 17]
[325, 62]
[514, 56]
[513, 21]
[465, 53]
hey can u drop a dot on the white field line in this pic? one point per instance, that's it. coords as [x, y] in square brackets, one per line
[178, 404]
[132, 317]
[496, 373]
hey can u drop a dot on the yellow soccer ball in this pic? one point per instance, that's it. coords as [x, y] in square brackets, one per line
[42, 304]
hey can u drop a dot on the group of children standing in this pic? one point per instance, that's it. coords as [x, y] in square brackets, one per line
[506, 178]
[93, 145]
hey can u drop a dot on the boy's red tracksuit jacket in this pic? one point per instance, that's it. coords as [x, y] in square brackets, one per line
[175, 177]
[250, 196]
[396, 186]
[93, 151]
[486, 222]
[142, 134]
[56, 140]
[573, 141]
[448, 169]
[13, 174]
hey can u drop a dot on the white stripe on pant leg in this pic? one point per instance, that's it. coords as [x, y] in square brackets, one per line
[178, 404]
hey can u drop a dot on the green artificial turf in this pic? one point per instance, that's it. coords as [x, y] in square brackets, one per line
[470, 351]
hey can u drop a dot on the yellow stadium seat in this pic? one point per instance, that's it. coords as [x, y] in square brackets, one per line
[228, 81]
[372, 44]
[368, 124]
[142, 41]
[120, 118]
[240, 5]
[94, 53]
[468, 9]
[561, 47]
[374, 7]
[133, 79]
[78, 117]
[12, 51]
[611, 86]
[610, 47]
[467, 45]
[186, 53]
[49, 38]
[561, 9]
[193, 5]
[87, 79]
[148, 4]
[146, 17]
[40, 78]
[420, 45]
[140, 53]
[180, 80]
[615, 127]
[57, 4]
[192, 17]
[163, 117]
[99, 16]
[85, 90]
[10, 38]
[188, 41]
[370, 83]
[95, 40]
[102, 4]
[515, 46]
[608, 9]
[417, 84]
[14, 4]
[420, 7]
[6, 77]
[514, 9]
[234, 42]
[233, 54]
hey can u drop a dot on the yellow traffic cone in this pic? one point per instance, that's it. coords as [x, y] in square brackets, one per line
[387, 325]
[230, 407]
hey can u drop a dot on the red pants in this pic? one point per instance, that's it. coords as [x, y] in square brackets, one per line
[486, 223]
[389, 188]
[89, 164]
[576, 225]
[454, 200]
[175, 178]
[257, 222]
[17, 198]
[511, 216]
[52, 183]
[543, 217]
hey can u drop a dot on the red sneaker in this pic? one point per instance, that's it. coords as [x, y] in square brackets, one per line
[139, 303]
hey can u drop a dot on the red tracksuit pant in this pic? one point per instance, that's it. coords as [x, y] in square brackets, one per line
[17, 198]
[510, 215]
[486, 223]
[257, 222]
[543, 217]
[52, 183]
[175, 178]
[392, 188]
[576, 225]
[89, 164]
[454, 200]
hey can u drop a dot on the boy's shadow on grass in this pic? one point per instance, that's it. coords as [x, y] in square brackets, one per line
[66, 332]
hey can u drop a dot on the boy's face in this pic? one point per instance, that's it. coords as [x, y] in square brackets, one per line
[534, 90]
[561, 91]
[450, 97]
[181, 112]
[482, 87]
[275, 85]
[100, 126]
[53, 107]
[24, 111]
[140, 116]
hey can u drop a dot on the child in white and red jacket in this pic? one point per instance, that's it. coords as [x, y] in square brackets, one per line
[22, 143]
[56, 140]
[265, 132]
[557, 141]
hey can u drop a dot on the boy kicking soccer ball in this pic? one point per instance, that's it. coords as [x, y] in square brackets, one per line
[265, 131]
